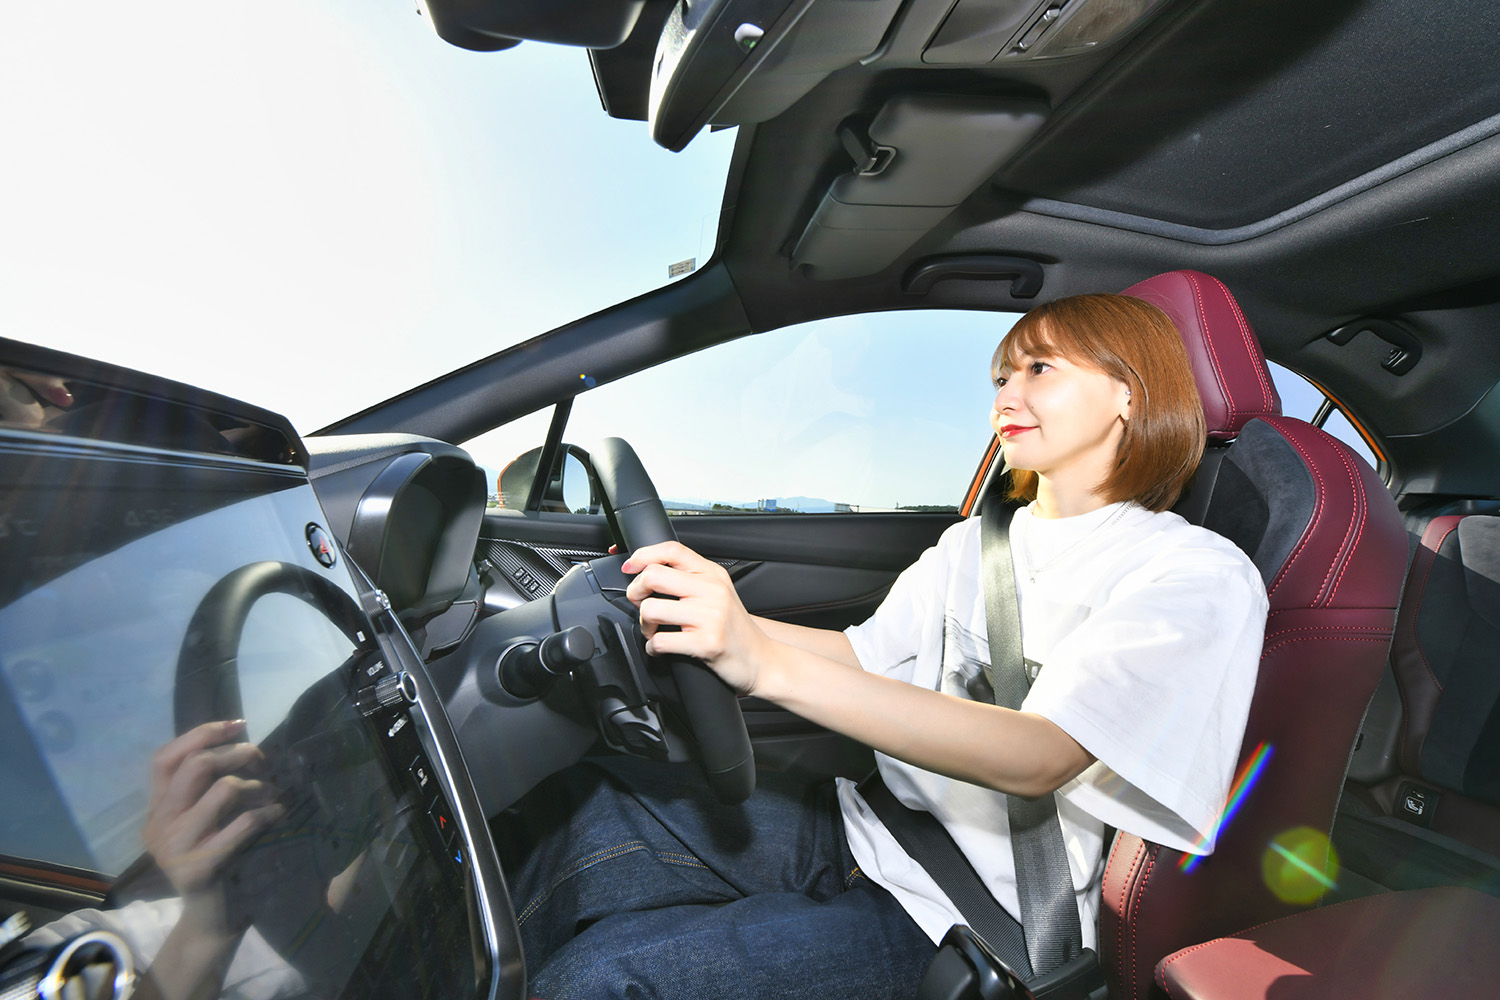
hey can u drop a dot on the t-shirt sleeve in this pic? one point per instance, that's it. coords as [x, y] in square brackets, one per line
[888, 641]
[1156, 684]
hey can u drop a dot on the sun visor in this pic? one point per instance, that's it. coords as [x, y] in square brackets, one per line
[920, 158]
[492, 25]
[737, 62]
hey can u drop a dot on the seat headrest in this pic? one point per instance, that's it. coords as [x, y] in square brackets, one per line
[1233, 380]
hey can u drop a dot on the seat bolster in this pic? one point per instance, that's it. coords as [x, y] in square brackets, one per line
[1394, 946]
[1127, 877]
[1418, 681]
[1361, 543]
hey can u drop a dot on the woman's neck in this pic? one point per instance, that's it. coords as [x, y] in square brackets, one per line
[1055, 500]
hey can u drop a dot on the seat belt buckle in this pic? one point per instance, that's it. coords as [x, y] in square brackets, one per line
[967, 968]
[1082, 978]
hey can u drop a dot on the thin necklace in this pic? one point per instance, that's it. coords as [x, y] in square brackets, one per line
[1119, 513]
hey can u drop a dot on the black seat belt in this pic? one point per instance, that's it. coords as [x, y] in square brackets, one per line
[1049, 906]
[925, 841]
[1049, 934]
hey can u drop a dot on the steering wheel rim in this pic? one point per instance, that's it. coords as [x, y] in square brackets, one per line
[637, 518]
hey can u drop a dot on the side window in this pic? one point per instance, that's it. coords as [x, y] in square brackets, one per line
[1305, 401]
[880, 412]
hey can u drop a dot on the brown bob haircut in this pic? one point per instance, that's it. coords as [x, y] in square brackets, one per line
[1133, 341]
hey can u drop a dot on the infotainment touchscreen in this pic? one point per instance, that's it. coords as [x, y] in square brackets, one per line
[199, 722]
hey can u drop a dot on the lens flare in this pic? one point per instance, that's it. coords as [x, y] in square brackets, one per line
[1254, 767]
[1300, 865]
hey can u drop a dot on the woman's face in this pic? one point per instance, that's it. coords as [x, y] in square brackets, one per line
[1059, 419]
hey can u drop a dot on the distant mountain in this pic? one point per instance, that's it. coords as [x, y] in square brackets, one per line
[806, 505]
[688, 504]
[790, 505]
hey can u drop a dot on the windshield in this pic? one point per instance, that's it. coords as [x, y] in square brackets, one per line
[269, 198]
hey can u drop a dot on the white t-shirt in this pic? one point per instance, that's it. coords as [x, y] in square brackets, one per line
[1148, 630]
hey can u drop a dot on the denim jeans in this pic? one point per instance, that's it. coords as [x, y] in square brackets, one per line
[630, 880]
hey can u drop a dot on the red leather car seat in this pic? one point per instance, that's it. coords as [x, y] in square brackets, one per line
[1329, 543]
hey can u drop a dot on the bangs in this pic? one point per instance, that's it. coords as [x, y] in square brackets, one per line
[1034, 337]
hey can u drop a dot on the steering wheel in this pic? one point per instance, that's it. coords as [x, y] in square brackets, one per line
[637, 518]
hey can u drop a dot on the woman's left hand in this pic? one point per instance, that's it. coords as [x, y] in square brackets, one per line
[711, 623]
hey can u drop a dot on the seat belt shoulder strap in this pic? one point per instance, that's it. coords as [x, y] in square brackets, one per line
[1044, 883]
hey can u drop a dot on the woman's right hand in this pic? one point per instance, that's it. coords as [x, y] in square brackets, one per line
[712, 624]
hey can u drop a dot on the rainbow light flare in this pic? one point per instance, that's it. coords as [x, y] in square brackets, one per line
[1243, 782]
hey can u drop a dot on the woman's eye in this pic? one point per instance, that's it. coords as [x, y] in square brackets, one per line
[1037, 367]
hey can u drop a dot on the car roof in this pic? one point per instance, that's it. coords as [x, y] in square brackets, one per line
[1334, 165]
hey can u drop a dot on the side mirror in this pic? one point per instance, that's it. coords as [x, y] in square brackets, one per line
[574, 485]
[569, 488]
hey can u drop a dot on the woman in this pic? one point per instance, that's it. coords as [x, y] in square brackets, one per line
[1146, 633]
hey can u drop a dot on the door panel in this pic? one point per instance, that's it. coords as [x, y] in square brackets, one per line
[887, 542]
[826, 570]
